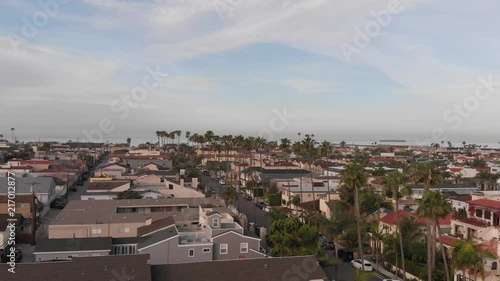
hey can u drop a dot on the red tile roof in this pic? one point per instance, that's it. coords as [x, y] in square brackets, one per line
[447, 240]
[36, 162]
[146, 157]
[455, 170]
[485, 203]
[391, 218]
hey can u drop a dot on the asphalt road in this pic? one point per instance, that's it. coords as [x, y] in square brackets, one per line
[253, 213]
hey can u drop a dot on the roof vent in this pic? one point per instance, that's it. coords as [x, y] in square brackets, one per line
[83, 272]
[266, 266]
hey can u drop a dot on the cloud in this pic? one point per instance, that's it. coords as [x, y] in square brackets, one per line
[191, 83]
[306, 87]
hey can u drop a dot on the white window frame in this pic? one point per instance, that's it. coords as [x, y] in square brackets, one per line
[224, 247]
[216, 223]
[206, 250]
[96, 231]
[241, 248]
[189, 253]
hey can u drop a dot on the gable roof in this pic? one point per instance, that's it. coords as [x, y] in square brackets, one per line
[234, 232]
[249, 270]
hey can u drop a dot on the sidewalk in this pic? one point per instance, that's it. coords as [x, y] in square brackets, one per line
[385, 272]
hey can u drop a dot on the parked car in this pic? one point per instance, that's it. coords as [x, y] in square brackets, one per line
[58, 204]
[357, 264]
[267, 209]
[4, 252]
[248, 198]
[206, 173]
[222, 182]
[328, 245]
[260, 204]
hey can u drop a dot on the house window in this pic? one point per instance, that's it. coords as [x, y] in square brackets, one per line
[96, 230]
[191, 253]
[494, 265]
[215, 223]
[479, 213]
[123, 230]
[223, 249]
[170, 186]
[162, 179]
[244, 248]
[487, 215]
[206, 250]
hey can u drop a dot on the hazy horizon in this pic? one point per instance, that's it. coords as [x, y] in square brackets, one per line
[417, 70]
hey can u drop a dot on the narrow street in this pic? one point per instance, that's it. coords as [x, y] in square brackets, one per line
[243, 205]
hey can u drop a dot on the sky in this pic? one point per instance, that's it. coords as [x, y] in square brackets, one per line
[98, 70]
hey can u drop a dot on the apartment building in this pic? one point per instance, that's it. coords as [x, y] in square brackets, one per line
[120, 218]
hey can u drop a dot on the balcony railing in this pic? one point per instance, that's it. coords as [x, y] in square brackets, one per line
[474, 221]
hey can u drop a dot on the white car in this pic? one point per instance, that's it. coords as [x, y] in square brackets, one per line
[266, 209]
[222, 182]
[357, 264]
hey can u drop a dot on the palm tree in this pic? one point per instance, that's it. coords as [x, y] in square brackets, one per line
[469, 256]
[393, 182]
[12, 131]
[230, 195]
[434, 206]
[298, 134]
[158, 133]
[178, 133]
[427, 174]
[355, 177]
[325, 148]
[188, 135]
[129, 140]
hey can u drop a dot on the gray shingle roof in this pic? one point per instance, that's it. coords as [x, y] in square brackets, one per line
[248, 270]
[158, 237]
[24, 185]
[72, 245]
[103, 268]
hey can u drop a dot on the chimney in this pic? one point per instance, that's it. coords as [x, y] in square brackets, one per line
[149, 221]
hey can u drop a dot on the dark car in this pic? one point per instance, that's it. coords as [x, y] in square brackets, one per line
[206, 173]
[248, 197]
[328, 245]
[58, 204]
[260, 204]
[5, 252]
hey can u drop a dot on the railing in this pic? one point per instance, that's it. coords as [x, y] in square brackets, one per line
[474, 221]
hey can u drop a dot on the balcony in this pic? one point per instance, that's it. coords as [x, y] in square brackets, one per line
[474, 221]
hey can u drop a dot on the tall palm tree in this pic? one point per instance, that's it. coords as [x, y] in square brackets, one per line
[12, 131]
[355, 177]
[428, 175]
[325, 148]
[393, 182]
[469, 256]
[434, 206]
[158, 133]
[188, 135]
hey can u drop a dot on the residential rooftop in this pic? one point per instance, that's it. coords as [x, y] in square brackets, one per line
[73, 244]
[249, 270]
